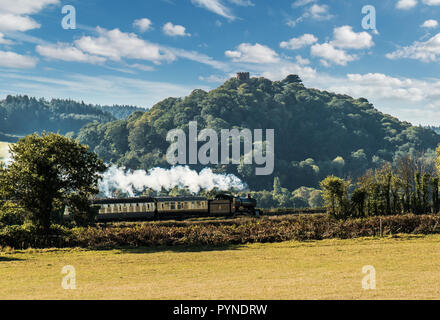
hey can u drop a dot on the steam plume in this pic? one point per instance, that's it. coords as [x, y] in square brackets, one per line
[157, 178]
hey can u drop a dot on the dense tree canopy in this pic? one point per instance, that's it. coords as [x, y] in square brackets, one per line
[20, 115]
[49, 172]
[317, 133]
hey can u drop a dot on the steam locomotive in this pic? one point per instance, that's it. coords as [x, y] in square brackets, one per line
[140, 208]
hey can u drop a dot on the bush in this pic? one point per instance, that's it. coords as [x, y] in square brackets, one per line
[218, 233]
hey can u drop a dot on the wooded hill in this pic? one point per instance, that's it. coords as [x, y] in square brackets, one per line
[21, 115]
[317, 133]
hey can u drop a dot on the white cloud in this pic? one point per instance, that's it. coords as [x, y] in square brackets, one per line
[215, 6]
[428, 51]
[319, 12]
[243, 3]
[302, 61]
[406, 4]
[256, 53]
[197, 57]
[10, 59]
[66, 52]
[14, 14]
[25, 6]
[12, 22]
[141, 67]
[301, 3]
[430, 24]
[143, 24]
[114, 45]
[345, 37]
[175, 30]
[316, 12]
[432, 2]
[330, 54]
[297, 43]
[3, 40]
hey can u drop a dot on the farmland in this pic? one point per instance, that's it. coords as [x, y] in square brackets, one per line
[406, 266]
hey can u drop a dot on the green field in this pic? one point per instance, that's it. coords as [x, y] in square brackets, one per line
[4, 150]
[407, 267]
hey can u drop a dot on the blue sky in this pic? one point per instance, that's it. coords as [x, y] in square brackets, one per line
[138, 52]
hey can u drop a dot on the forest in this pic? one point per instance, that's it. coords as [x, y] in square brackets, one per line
[317, 133]
[21, 115]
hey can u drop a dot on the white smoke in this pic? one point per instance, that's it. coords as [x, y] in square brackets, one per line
[158, 178]
[5, 155]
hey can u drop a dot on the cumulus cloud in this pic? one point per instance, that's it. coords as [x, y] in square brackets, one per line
[66, 52]
[430, 24]
[143, 24]
[175, 30]
[331, 54]
[12, 22]
[115, 45]
[427, 51]
[10, 59]
[25, 6]
[256, 53]
[297, 43]
[406, 4]
[319, 12]
[14, 14]
[346, 38]
[302, 61]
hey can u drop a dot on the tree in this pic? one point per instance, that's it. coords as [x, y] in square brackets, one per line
[335, 196]
[49, 172]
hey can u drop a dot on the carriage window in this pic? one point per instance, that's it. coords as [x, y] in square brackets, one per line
[173, 206]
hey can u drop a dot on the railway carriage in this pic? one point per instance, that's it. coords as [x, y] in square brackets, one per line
[140, 208]
[125, 209]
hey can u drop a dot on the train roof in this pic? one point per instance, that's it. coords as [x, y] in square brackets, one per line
[121, 200]
[182, 198]
[145, 199]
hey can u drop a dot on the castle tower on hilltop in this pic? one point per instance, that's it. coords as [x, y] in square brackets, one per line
[243, 76]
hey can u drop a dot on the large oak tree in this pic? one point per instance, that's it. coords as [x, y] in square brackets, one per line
[49, 172]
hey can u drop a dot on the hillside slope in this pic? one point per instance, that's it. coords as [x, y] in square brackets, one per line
[21, 115]
[316, 132]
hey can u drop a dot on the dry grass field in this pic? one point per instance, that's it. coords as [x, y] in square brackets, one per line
[407, 267]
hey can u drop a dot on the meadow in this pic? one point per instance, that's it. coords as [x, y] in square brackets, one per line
[407, 267]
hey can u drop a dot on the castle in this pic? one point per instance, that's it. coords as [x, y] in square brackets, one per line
[243, 76]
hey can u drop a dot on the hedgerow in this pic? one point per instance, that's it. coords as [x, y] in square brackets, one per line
[218, 233]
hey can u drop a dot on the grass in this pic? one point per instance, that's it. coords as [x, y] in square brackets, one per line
[407, 267]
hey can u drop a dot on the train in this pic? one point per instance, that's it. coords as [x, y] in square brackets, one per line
[144, 208]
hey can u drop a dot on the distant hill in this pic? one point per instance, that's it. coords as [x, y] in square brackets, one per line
[21, 115]
[121, 112]
[316, 132]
